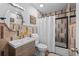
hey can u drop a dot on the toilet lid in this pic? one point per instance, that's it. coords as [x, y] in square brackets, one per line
[40, 45]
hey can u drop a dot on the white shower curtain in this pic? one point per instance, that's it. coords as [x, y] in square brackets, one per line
[51, 34]
[46, 32]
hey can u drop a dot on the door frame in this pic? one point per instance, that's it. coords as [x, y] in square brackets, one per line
[63, 48]
[73, 51]
[66, 30]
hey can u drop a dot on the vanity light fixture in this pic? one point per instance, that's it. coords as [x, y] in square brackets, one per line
[17, 6]
[41, 5]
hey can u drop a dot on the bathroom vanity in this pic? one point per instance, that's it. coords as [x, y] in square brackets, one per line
[22, 47]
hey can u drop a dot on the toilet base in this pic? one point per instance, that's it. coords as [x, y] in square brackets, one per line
[39, 53]
[42, 53]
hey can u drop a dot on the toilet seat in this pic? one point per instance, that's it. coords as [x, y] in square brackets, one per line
[42, 47]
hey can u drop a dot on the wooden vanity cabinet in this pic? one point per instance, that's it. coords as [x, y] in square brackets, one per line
[24, 50]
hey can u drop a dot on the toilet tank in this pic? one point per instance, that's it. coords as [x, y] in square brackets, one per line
[36, 37]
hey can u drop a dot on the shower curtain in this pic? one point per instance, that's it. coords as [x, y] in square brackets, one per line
[46, 32]
[51, 34]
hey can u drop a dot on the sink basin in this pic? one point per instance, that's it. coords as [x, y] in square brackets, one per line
[20, 42]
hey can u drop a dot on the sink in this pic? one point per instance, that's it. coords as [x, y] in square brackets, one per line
[19, 42]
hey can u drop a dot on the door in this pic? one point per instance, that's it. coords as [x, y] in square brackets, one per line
[61, 36]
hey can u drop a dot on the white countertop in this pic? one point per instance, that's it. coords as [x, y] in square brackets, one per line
[20, 42]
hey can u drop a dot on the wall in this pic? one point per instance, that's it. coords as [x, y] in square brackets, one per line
[5, 8]
[3, 41]
[77, 26]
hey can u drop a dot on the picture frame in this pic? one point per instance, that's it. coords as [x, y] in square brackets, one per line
[32, 19]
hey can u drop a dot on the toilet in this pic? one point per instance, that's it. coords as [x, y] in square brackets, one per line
[42, 48]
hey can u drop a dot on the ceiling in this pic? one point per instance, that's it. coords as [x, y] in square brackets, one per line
[48, 7]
